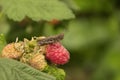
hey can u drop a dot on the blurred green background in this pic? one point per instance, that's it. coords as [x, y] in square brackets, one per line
[93, 38]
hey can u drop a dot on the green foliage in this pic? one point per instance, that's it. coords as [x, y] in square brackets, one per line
[110, 67]
[57, 72]
[33, 29]
[92, 38]
[2, 41]
[95, 5]
[36, 10]
[72, 4]
[4, 26]
[14, 70]
[82, 32]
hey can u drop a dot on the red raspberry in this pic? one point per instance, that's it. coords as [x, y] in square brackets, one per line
[57, 54]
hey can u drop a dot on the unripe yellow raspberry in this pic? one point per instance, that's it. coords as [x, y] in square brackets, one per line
[38, 61]
[10, 51]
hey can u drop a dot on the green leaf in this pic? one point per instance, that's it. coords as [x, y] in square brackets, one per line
[72, 4]
[14, 70]
[57, 72]
[2, 41]
[36, 10]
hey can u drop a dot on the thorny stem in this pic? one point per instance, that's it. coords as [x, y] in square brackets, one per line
[51, 39]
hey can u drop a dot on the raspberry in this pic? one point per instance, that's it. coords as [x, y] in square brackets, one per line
[9, 51]
[57, 54]
[38, 61]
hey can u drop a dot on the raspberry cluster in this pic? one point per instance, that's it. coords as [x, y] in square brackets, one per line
[36, 55]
